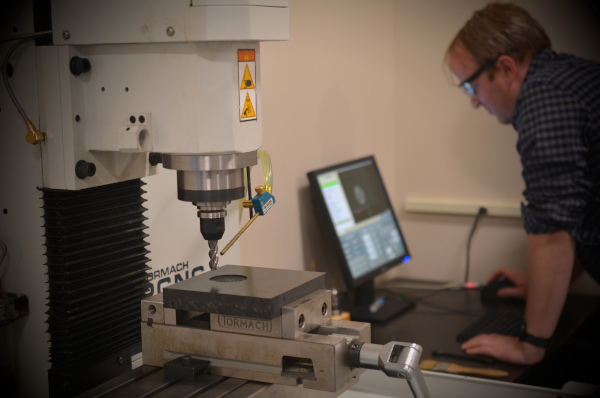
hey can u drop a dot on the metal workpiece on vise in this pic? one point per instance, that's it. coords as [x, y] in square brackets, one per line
[395, 359]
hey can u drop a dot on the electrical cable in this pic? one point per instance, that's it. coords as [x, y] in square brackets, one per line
[10, 51]
[2, 257]
[482, 211]
[26, 36]
[4, 251]
[249, 191]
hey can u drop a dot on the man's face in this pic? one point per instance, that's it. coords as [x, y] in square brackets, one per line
[491, 93]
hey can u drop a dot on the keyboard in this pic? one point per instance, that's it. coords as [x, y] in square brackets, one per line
[498, 320]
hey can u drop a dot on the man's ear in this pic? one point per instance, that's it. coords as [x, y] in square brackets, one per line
[508, 65]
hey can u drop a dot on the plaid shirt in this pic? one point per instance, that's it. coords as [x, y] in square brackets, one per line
[557, 116]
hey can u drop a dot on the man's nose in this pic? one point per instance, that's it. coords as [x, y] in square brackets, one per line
[475, 102]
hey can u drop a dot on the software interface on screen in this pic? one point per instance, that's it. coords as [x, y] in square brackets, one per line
[363, 221]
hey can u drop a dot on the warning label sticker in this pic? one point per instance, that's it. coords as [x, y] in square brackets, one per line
[248, 109]
[247, 79]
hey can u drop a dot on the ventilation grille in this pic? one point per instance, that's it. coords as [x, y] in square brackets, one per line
[96, 258]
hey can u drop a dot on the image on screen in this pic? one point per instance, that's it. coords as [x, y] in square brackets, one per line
[362, 218]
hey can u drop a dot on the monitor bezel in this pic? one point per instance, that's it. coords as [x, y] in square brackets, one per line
[332, 238]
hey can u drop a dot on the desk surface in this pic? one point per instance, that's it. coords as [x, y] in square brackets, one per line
[439, 317]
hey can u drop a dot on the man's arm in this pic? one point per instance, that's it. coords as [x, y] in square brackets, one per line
[550, 259]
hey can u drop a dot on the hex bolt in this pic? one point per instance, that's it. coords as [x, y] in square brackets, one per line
[170, 31]
[85, 169]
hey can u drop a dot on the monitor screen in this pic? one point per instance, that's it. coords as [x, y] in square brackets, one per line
[357, 219]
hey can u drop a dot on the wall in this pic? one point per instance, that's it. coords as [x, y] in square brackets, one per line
[360, 78]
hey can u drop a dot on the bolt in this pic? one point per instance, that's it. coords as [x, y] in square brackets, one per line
[324, 309]
[170, 31]
[301, 321]
[152, 309]
[120, 360]
[66, 34]
[186, 360]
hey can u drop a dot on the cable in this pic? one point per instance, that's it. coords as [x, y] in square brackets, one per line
[249, 190]
[482, 211]
[4, 251]
[12, 49]
[2, 257]
[26, 36]
[34, 136]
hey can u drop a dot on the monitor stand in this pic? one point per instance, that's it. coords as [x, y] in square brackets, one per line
[378, 309]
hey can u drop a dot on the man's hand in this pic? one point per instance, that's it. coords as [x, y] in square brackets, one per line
[504, 348]
[518, 277]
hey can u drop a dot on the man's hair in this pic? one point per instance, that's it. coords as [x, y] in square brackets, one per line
[499, 28]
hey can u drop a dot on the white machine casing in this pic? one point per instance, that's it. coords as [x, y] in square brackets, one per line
[173, 63]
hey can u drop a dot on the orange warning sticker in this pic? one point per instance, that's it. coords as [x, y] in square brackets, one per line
[248, 110]
[246, 55]
[247, 82]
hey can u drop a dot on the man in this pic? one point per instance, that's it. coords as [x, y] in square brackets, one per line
[503, 59]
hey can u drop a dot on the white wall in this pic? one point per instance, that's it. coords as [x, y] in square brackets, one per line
[367, 77]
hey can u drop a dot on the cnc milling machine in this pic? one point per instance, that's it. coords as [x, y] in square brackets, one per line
[98, 95]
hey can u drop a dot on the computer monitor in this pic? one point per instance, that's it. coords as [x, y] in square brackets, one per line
[361, 230]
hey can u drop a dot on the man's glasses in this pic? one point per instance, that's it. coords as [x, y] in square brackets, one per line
[467, 86]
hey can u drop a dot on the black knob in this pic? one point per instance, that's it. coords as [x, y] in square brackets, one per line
[79, 65]
[85, 169]
[155, 158]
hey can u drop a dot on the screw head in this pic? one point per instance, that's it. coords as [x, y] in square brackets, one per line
[170, 31]
[66, 34]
